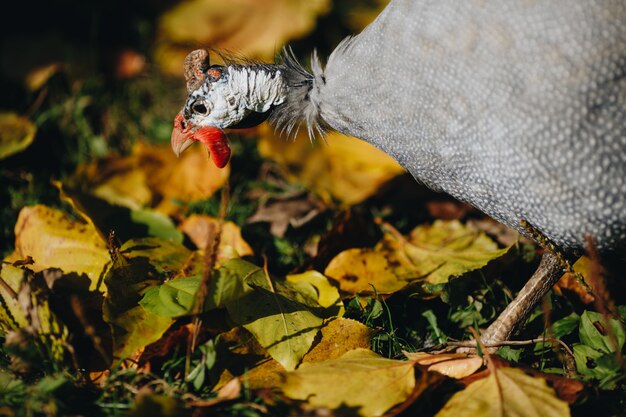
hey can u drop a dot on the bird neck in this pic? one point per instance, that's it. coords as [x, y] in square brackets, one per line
[259, 87]
[301, 105]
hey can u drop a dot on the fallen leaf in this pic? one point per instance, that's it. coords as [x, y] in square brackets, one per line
[239, 355]
[229, 391]
[506, 392]
[126, 222]
[38, 77]
[284, 317]
[343, 167]
[359, 380]
[54, 240]
[12, 316]
[284, 327]
[254, 29]
[568, 281]
[176, 297]
[140, 265]
[283, 211]
[430, 255]
[16, 134]
[338, 337]
[200, 230]
[453, 365]
[326, 294]
[151, 177]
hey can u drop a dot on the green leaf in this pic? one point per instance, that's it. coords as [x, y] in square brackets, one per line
[593, 364]
[284, 320]
[560, 328]
[140, 265]
[284, 327]
[158, 224]
[16, 134]
[173, 298]
[509, 353]
[506, 392]
[594, 334]
[176, 297]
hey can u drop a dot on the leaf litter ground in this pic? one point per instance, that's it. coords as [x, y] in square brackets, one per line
[330, 283]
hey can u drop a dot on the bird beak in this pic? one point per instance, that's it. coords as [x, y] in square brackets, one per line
[213, 138]
[182, 135]
[181, 140]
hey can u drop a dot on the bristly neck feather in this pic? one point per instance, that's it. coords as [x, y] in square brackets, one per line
[286, 89]
[301, 105]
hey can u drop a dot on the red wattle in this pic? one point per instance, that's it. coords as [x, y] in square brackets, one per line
[215, 140]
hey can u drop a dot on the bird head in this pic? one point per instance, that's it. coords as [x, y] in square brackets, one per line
[219, 97]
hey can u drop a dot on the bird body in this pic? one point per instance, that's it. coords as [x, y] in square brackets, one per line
[516, 107]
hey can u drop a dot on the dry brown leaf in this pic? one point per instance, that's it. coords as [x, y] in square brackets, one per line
[200, 229]
[343, 168]
[230, 391]
[453, 365]
[254, 29]
[568, 281]
[283, 211]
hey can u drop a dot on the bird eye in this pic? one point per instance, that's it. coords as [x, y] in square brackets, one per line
[199, 107]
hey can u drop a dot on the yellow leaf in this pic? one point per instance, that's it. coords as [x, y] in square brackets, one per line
[449, 249]
[200, 229]
[327, 294]
[16, 134]
[152, 176]
[338, 337]
[252, 28]
[430, 254]
[506, 392]
[239, 355]
[53, 240]
[359, 379]
[362, 270]
[344, 168]
[12, 315]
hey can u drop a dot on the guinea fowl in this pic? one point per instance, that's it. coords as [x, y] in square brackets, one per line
[516, 107]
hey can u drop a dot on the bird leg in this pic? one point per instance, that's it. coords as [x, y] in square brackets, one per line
[547, 274]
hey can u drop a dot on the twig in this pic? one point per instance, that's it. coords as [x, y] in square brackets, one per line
[210, 258]
[514, 343]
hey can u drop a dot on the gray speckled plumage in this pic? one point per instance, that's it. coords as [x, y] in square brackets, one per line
[516, 107]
